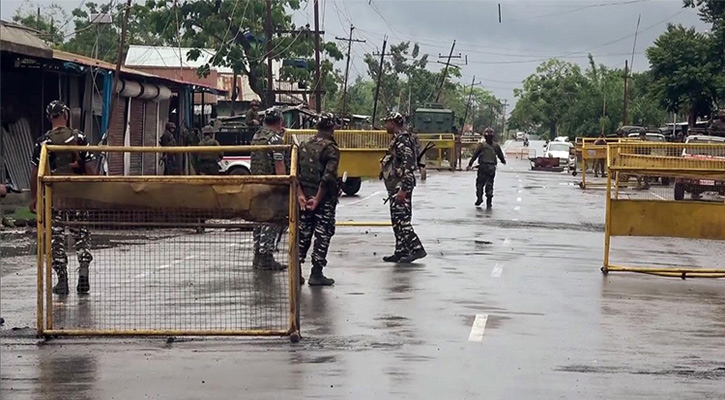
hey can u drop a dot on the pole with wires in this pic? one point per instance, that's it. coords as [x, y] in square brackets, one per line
[445, 71]
[119, 60]
[380, 77]
[269, 97]
[318, 94]
[349, 41]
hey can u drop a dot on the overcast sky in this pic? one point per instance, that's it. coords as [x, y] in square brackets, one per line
[500, 55]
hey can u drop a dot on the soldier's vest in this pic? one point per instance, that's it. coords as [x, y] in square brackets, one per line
[392, 164]
[488, 155]
[64, 160]
[311, 168]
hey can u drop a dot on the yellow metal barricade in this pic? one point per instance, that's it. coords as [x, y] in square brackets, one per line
[446, 149]
[172, 255]
[697, 169]
[360, 150]
[592, 155]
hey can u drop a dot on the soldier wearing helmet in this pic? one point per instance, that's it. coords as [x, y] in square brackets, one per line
[397, 171]
[171, 160]
[268, 163]
[209, 162]
[64, 163]
[487, 153]
[252, 117]
[317, 195]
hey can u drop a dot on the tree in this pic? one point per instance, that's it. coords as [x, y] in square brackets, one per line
[685, 72]
[48, 23]
[235, 30]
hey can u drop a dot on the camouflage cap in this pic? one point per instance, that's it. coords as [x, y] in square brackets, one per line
[56, 108]
[488, 132]
[272, 116]
[396, 117]
[328, 121]
[207, 130]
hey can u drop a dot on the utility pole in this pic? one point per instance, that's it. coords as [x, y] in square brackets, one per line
[503, 121]
[380, 76]
[318, 94]
[468, 103]
[626, 97]
[445, 69]
[269, 96]
[349, 41]
[119, 60]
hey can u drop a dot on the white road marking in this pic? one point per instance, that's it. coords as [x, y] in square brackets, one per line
[497, 271]
[518, 199]
[517, 208]
[518, 191]
[506, 241]
[656, 195]
[479, 325]
[361, 200]
[515, 219]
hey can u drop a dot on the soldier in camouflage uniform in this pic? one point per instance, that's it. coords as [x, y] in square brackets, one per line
[65, 163]
[268, 163]
[486, 153]
[209, 162]
[172, 166]
[318, 192]
[252, 116]
[398, 167]
[717, 126]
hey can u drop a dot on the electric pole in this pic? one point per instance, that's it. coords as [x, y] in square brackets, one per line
[503, 121]
[468, 103]
[318, 94]
[445, 69]
[349, 41]
[626, 97]
[269, 97]
[380, 76]
[119, 61]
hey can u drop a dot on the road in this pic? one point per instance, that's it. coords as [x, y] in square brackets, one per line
[509, 304]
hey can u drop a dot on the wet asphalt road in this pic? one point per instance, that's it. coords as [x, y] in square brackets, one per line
[555, 328]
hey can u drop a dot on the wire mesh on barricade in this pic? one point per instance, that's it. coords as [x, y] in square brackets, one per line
[168, 255]
[666, 190]
[346, 139]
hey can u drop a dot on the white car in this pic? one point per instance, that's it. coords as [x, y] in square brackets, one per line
[560, 150]
[562, 139]
[235, 165]
[520, 136]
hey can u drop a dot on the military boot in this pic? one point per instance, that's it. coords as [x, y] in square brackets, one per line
[318, 279]
[61, 288]
[267, 262]
[394, 258]
[489, 202]
[479, 201]
[415, 255]
[84, 284]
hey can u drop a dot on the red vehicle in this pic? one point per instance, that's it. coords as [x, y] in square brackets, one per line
[698, 186]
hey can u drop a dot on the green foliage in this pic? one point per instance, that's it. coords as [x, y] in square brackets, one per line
[49, 24]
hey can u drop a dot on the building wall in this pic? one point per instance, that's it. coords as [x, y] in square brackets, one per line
[116, 133]
[136, 132]
[149, 160]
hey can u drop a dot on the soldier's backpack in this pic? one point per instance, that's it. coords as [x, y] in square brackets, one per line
[66, 162]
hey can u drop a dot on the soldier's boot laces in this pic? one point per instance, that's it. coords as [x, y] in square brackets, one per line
[84, 284]
[318, 279]
[416, 255]
[61, 288]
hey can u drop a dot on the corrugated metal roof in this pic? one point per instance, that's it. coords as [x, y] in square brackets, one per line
[19, 39]
[160, 56]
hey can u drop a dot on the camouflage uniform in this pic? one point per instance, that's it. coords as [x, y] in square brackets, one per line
[60, 165]
[398, 168]
[262, 163]
[251, 116]
[209, 162]
[717, 126]
[487, 155]
[171, 160]
[318, 162]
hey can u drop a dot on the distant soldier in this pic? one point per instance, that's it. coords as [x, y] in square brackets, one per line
[172, 166]
[268, 163]
[318, 161]
[252, 117]
[209, 162]
[397, 171]
[642, 181]
[717, 126]
[64, 163]
[487, 153]
[599, 163]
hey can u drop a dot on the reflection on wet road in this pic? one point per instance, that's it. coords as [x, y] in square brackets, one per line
[554, 327]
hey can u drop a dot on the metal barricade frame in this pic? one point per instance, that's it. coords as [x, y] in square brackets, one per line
[663, 218]
[44, 205]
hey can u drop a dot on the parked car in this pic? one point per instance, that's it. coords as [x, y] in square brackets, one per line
[564, 139]
[520, 136]
[698, 186]
[657, 137]
[235, 165]
[562, 151]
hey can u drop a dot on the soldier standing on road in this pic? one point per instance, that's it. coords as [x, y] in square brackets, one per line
[717, 126]
[318, 192]
[252, 117]
[486, 153]
[268, 163]
[642, 181]
[64, 163]
[209, 162]
[398, 167]
[171, 160]
[599, 163]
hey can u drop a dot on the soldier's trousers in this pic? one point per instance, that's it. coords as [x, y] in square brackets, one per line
[406, 240]
[486, 175]
[319, 223]
[81, 236]
[265, 238]
[208, 168]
